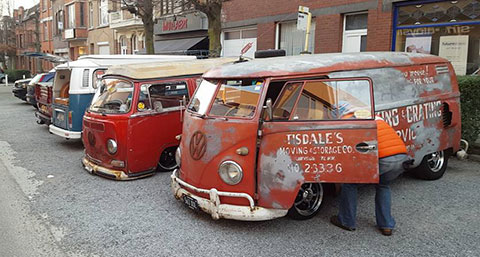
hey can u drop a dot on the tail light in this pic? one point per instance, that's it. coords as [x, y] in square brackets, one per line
[70, 119]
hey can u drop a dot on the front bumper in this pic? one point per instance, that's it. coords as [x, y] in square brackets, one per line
[110, 173]
[217, 210]
[64, 133]
[42, 118]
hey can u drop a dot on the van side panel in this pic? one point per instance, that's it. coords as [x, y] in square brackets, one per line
[78, 105]
[415, 100]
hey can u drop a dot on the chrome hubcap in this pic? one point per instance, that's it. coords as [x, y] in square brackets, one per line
[435, 161]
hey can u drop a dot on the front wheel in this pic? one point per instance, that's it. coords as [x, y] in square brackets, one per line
[2, 81]
[433, 166]
[167, 160]
[308, 201]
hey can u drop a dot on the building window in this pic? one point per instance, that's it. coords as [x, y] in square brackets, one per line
[292, 40]
[90, 15]
[355, 33]
[82, 14]
[45, 31]
[123, 45]
[44, 5]
[103, 14]
[450, 29]
[134, 44]
[59, 22]
[71, 16]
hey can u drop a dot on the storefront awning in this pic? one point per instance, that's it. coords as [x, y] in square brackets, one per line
[178, 45]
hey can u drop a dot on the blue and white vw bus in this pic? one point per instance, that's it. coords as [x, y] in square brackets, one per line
[75, 83]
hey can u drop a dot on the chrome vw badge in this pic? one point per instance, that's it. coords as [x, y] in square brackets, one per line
[198, 145]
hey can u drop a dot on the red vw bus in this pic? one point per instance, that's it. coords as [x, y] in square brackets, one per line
[130, 127]
[261, 137]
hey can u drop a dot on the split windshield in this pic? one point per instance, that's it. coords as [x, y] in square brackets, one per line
[234, 98]
[115, 96]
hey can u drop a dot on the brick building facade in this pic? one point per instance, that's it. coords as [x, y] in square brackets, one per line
[46, 36]
[27, 38]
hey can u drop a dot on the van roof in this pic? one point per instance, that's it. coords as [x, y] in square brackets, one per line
[167, 69]
[319, 63]
[92, 61]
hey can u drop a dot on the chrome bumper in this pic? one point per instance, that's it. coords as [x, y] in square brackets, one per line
[64, 133]
[217, 210]
[93, 168]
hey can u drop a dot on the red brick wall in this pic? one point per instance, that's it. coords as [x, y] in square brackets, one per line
[266, 36]
[329, 28]
[329, 33]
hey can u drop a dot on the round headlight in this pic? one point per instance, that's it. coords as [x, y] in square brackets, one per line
[111, 146]
[230, 172]
[178, 156]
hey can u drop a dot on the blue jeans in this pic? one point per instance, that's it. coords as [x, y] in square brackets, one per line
[390, 167]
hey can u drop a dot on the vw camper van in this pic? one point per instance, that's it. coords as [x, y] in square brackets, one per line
[260, 138]
[130, 128]
[74, 87]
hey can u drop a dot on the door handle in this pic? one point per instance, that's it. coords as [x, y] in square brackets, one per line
[364, 147]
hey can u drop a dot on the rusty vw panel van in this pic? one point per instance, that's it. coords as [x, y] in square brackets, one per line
[261, 137]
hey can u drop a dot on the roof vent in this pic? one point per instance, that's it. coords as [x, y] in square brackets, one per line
[270, 53]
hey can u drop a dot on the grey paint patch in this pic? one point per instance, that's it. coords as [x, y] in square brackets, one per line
[274, 174]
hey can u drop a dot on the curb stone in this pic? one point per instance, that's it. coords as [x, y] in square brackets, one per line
[474, 157]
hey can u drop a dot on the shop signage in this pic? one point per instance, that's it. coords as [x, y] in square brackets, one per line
[455, 49]
[189, 22]
[69, 33]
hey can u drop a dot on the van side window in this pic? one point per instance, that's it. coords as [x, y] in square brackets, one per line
[333, 100]
[284, 104]
[97, 74]
[162, 97]
[85, 77]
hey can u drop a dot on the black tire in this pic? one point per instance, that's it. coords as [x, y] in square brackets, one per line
[308, 201]
[433, 166]
[167, 161]
[2, 81]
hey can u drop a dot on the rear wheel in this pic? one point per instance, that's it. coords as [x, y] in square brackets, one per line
[433, 166]
[308, 201]
[2, 81]
[167, 160]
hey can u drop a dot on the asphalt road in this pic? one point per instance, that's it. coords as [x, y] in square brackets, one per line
[50, 206]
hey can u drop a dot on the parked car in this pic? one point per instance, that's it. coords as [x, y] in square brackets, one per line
[30, 96]
[75, 84]
[2, 77]
[19, 88]
[261, 137]
[130, 128]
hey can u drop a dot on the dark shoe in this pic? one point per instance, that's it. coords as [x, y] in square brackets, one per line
[386, 231]
[334, 220]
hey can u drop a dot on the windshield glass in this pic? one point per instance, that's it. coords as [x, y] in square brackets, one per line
[202, 97]
[114, 96]
[237, 98]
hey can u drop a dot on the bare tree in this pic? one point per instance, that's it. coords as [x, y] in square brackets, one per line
[7, 41]
[213, 10]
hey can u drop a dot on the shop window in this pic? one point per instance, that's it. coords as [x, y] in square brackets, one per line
[355, 33]
[292, 40]
[450, 29]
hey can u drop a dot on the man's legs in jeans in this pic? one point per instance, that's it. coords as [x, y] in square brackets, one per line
[348, 205]
[383, 205]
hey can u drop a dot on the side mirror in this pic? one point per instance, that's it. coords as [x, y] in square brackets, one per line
[269, 109]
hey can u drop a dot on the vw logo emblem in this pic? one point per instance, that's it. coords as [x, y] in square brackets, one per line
[198, 145]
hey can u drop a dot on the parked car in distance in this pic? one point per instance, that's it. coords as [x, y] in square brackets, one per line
[130, 128]
[30, 95]
[2, 76]
[19, 88]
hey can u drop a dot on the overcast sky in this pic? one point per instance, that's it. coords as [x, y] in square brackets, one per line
[24, 3]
